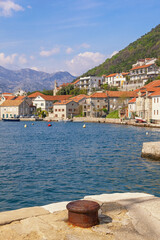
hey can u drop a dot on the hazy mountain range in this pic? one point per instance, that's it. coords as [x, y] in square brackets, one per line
[30, 80]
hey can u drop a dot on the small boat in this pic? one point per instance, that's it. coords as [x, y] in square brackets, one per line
[140, 120]
[11, 119]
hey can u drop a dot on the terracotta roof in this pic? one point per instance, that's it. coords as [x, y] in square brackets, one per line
[98, 95]
[125, 73]
[11, 103]
[79, 97]
[55, 98]
[133, 100]
[156, 93]
[7, 94]
[117, 94]
[112, 75]
[9, 97]
[76, 81]
[63, 102]
[65, 84]
[34, 95]
[143, 66]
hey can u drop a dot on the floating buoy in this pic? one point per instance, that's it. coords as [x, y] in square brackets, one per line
[146, 133]
[49, 120]
[25, 125]
[84, 126]
[32, 123]
[49, 125]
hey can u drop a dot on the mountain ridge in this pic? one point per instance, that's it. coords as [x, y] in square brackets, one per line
[144, 47]
[31, 80]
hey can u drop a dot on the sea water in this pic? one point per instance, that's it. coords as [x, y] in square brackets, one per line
[41, 165]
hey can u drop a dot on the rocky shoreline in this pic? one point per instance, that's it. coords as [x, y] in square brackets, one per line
[131, 216]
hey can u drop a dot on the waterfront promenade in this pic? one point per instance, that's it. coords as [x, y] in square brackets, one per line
[131, 216]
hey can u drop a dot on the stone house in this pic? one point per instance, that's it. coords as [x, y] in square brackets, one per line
[65, 109]
[119, 99]
[94, 104]
[14, 108]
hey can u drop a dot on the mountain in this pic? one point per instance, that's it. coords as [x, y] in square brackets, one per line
[30, 80]
[145, 47]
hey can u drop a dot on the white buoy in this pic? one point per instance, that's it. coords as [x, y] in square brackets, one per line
[146, 133]
[84, 126]
[25, 125]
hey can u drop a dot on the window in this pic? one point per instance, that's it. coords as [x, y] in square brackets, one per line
[154, 100]
[56, 115]
[157, 100]
[55, 110]
[157, 112]
[62, 115]
[154, 112]
[59, 110]
[97, 106]
[97, 100]
[42, 104]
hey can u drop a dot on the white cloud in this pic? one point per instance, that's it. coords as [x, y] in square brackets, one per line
[22, 59]
[50, 53]
[29, 7]
[7, 8]
[114, 53]
[84, 45]
[69, 50]
[7, 60]
[84, 61]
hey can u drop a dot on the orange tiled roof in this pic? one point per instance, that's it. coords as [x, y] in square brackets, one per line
[98, 95]
[65, 84]
[79, 97]
[139, 67]
[11, 103]
[7, 94]
[117, 94]
[63, 102]
[9, 97]
[34, 95]
[76, 81]
[156, 93]
[133, 100]
[112, 75]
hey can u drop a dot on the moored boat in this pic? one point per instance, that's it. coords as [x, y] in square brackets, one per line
[11, 119]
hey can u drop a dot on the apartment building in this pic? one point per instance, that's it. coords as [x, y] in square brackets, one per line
[90, 83]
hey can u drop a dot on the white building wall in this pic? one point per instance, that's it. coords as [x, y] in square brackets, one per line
[156, 108]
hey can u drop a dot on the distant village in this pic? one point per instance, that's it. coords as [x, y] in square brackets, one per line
[134, 99]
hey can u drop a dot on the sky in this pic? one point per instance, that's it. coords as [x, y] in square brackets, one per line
[70, 35]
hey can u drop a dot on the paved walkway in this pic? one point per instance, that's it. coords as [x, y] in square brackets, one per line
[123, 216]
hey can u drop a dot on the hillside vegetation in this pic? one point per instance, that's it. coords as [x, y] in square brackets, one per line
[145, 47]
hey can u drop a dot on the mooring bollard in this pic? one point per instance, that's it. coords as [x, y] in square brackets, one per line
[83, 213]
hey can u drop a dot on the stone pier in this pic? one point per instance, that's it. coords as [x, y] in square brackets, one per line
[130, 216]
[151, 150]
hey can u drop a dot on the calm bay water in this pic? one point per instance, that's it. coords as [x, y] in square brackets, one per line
[41, 165]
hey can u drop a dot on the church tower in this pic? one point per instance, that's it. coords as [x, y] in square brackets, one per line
[55, 88]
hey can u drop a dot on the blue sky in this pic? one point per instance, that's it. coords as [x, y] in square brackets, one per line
[70, 35]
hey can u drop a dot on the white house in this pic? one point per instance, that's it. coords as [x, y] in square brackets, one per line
[155, 117]
[90, 83]
[131, 107]
[45, 102]
[116, 79]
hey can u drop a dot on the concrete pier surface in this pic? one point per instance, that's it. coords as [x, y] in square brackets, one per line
[151, 150]
[130, 216]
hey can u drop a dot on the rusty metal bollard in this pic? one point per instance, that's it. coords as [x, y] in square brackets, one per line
[83, 213]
